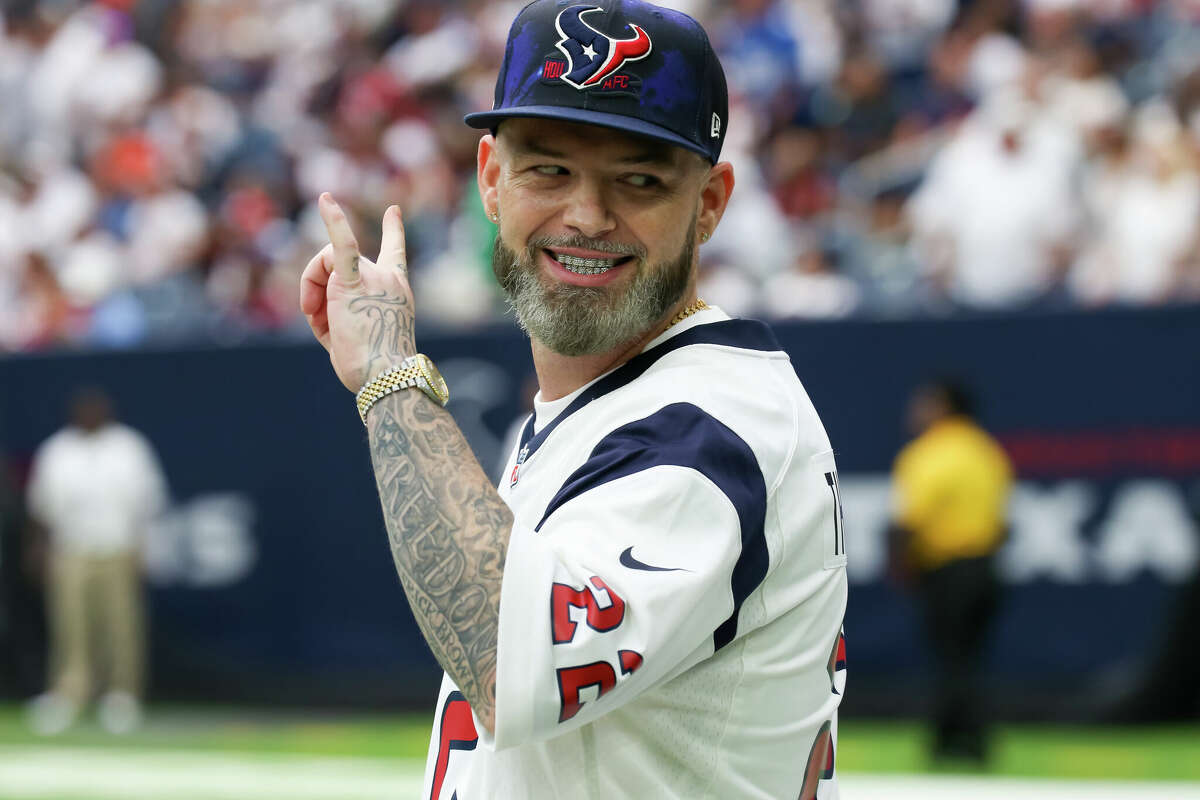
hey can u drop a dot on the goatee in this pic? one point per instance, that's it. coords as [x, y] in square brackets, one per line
[587, 320]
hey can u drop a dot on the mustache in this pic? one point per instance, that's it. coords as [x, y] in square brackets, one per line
[585, 243]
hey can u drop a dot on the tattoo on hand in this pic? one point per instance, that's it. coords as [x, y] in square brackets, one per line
[448, 530]
[390, 337]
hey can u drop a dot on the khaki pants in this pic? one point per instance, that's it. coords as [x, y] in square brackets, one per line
[95, 610]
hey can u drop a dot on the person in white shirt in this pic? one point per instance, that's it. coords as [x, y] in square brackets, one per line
[94, 487]
[651, 604]
[997, 213]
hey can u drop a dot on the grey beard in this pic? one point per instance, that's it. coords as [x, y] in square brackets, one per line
[588, 320]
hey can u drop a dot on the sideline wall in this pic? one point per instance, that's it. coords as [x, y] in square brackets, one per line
[271, 580]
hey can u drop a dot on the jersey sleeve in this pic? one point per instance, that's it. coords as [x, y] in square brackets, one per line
[635, 572]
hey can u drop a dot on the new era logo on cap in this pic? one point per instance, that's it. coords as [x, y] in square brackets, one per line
[623, 64]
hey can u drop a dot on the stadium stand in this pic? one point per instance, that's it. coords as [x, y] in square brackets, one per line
[160, 161]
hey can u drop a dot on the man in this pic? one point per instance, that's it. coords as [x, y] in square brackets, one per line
[996, 213]
[651, 604]
[951, 487]
[94, 487]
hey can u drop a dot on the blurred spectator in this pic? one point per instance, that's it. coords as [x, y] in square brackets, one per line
[1143, 195]
[727, 287]
[43, 315]
[94, 487]
[881, 260]
[770, 48]
[995, 216]
[1078, 93]
[811, 288]
[859, 109]
[951, 487]
[804, 187]
[901, 32]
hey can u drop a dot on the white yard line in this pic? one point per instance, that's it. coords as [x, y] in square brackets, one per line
[955, 787]
[102, 774]
[112, 774]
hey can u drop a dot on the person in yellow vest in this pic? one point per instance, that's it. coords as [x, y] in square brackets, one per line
[951, 487]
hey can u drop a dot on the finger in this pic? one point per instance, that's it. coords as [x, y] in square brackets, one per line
[345, 246]
[392, 248]
[313, 282]
[314, 279]
[319, 325]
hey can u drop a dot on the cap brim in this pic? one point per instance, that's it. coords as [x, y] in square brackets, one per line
[491, 119]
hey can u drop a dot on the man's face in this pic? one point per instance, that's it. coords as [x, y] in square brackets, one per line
[598, 231]
[90, 411]
[927, 405]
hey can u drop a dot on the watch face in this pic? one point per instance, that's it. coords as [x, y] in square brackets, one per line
[435, 379]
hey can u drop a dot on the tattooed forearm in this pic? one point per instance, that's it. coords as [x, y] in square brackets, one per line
[448, 530]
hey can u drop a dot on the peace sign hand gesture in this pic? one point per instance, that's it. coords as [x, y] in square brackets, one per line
[361, 312]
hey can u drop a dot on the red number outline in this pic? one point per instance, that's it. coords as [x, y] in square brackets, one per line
[564, 597]
[456, 732]
[819, 766]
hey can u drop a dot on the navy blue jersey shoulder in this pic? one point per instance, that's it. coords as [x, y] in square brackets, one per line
[682, 434]
[747, 334]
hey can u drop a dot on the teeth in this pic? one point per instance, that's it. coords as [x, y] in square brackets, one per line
[586, 266]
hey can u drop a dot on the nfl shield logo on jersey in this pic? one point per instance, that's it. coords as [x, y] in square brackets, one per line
[516, 470]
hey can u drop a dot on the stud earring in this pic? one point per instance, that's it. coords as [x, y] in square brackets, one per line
[495, 216]
[704, 237]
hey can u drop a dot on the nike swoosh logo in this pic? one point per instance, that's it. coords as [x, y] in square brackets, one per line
[627, 560]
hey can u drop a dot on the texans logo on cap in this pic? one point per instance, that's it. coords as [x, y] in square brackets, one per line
[593, 55]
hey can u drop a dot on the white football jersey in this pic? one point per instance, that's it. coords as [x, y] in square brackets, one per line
[671, 612]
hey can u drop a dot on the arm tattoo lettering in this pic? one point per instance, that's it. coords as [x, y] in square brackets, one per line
[448, 530]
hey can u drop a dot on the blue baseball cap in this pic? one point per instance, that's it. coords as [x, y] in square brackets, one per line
[621, 64]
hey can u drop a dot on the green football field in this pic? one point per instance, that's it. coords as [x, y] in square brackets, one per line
[232, 753]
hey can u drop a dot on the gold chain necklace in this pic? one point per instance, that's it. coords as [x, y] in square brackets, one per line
[699, 305]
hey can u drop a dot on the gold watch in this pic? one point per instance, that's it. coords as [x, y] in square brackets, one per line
[414, 372]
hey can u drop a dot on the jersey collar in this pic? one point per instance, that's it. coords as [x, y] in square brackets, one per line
[746, 334]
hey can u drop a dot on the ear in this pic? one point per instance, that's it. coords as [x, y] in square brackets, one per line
[714, 196]
[487, 171]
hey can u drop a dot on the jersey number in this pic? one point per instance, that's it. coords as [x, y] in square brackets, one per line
[457, 732]
[839, 522]
[563, 598]
[571, 680]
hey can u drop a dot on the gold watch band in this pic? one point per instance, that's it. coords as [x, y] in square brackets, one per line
[414, 372]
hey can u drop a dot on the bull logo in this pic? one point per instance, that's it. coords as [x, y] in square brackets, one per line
[591, 55]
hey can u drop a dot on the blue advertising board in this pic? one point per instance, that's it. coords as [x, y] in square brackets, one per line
[270, 579]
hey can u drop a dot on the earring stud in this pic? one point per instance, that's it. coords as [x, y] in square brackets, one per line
[495, 216]
[704, 237]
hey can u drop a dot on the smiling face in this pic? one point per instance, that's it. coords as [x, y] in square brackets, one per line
[598, 229]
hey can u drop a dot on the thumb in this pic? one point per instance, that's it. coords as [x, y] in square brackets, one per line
[345, 246]
[392, 248]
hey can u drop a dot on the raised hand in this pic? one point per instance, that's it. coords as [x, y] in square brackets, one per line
[447, 526]
[360, 311]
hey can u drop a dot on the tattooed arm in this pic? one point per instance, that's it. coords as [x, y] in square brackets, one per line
[447, 527]
[448, 530]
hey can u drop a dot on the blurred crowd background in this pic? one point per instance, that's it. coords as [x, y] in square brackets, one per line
[160, 160]
[973, 177]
